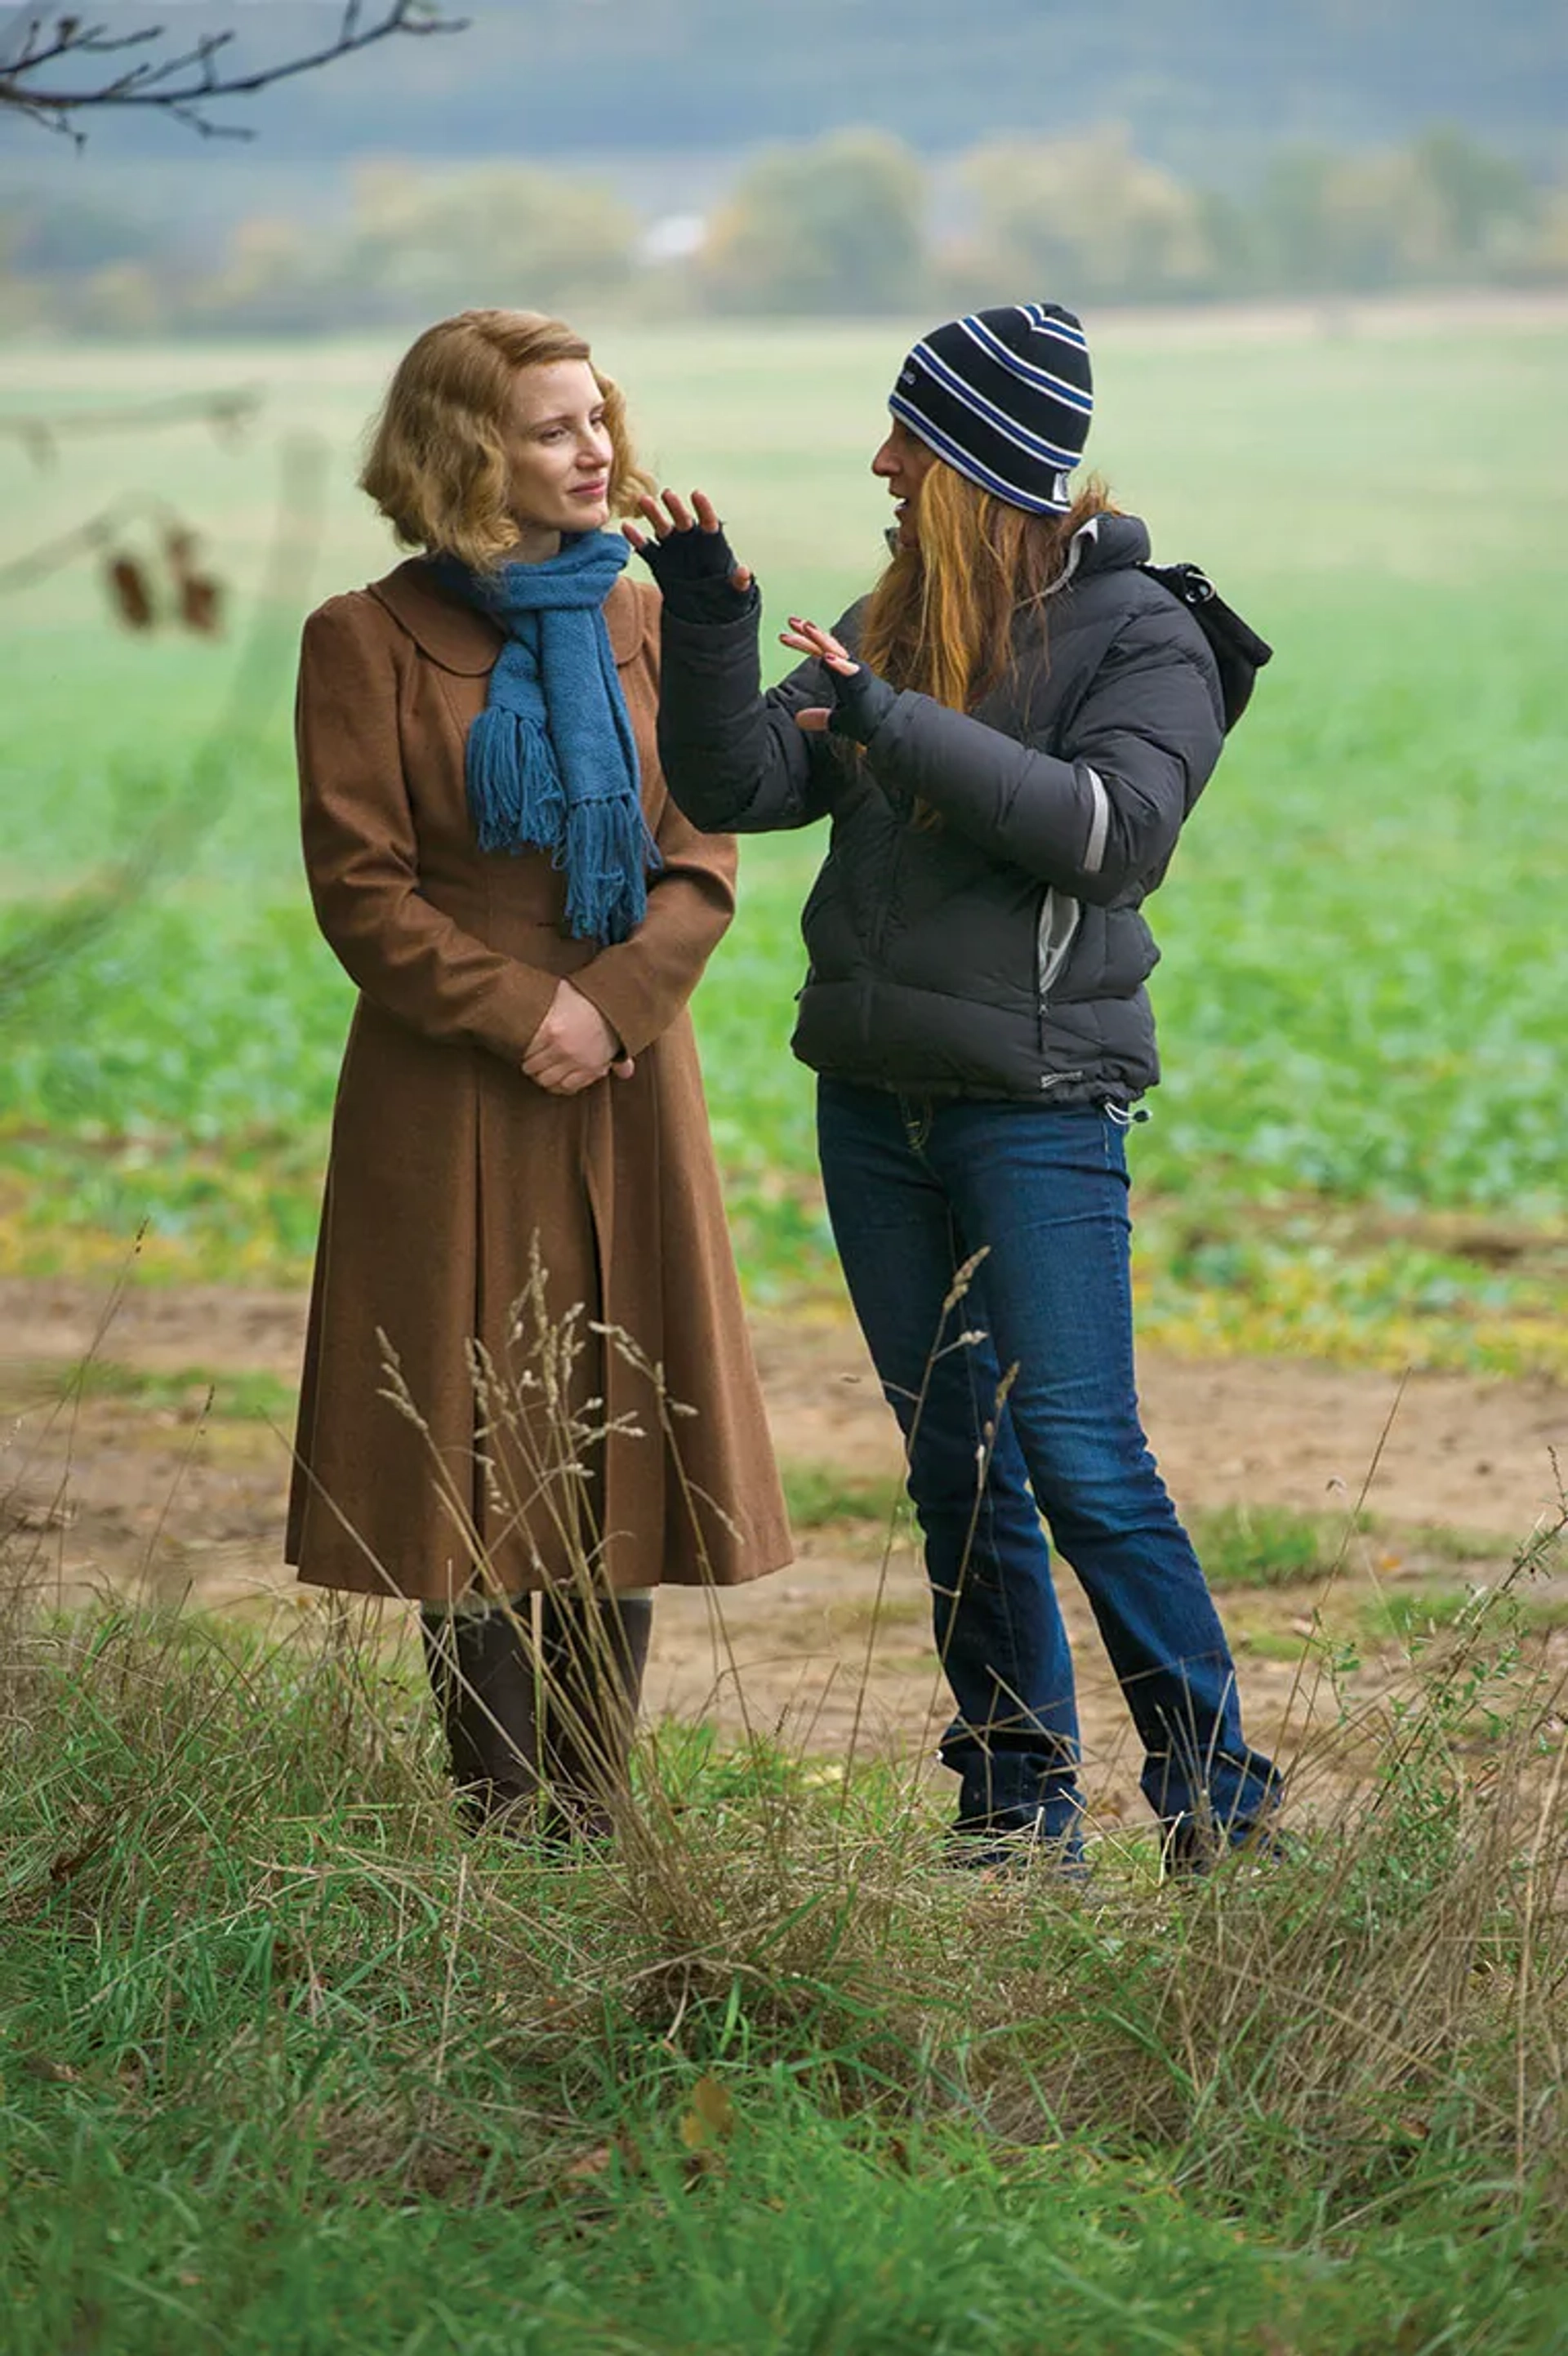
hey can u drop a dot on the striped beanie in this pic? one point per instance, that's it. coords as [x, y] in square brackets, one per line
[1005, 397]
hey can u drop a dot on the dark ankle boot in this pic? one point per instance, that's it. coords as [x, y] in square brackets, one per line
[595, 1651]
[484, 1679]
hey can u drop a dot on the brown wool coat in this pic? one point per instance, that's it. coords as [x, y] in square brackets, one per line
[446, 1161]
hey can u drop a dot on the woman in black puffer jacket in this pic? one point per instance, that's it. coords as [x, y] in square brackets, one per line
[1006, 737]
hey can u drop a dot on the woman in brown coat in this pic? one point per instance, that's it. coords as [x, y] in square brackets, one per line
[521, 1156]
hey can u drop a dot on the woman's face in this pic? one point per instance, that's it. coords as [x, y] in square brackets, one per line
[903, 463]
[559, 451]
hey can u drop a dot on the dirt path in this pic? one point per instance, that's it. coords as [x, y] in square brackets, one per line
[137, 1489]
[1472, 1454]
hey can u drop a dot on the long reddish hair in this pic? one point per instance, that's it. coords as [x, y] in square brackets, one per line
[941, 619]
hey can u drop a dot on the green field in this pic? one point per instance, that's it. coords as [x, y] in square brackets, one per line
[1359, 1148]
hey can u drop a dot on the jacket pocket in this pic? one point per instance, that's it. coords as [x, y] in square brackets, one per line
[1060, 916]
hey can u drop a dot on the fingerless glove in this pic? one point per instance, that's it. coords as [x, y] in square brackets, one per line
[861, 704]
[693, 570]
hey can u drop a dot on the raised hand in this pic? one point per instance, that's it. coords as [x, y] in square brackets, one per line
[862, 702]
[688, 542]
[811, 639]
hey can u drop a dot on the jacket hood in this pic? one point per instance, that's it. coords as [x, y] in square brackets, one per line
[1108, 543]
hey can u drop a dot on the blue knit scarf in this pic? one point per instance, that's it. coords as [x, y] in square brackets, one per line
[551, 762]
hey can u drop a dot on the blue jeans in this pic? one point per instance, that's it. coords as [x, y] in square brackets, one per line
[914, 1188]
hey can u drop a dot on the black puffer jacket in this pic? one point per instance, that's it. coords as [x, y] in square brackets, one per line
[1000, 953]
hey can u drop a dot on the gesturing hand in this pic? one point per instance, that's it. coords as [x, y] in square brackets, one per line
[697, 570]
[573, 1046]
[861, 700]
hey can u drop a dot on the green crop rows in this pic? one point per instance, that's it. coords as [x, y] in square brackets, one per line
[1358, 1149]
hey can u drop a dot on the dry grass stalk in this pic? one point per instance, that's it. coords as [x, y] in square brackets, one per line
[1403, 1974]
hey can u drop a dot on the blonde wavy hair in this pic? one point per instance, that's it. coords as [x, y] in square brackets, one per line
[435, 461]
[941, 619]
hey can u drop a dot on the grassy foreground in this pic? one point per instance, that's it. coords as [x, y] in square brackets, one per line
[284, 2065]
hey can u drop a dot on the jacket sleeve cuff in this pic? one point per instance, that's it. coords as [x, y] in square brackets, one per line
[622, 1002]
[712, 604]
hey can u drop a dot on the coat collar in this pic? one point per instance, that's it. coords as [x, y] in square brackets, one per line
[460, 638]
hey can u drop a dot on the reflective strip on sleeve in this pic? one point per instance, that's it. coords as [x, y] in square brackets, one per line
[1098, 825]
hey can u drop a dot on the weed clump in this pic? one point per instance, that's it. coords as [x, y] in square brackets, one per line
[248, 1957]
[282, 2046]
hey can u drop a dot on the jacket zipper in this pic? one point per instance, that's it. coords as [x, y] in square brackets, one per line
[879, 928]
[1052, 951]
[1053, 947]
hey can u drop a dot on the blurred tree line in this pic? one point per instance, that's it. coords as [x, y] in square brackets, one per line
[852, 224]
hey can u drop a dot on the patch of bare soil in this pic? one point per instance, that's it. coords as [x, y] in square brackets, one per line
[123, 1494]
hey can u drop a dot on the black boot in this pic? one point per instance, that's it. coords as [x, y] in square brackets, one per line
[595, 1651]
[484, 1678]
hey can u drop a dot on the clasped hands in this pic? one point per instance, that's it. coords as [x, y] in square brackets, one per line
[689, 556]
[575, 1047]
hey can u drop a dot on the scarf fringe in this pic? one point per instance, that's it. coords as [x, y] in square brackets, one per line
[607, 850]
[516, 798]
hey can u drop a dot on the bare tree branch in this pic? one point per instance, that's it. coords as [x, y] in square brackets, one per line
[182, 83]
[32, 952]
[169, 585]
[91, 537]
[93, 534]
[227, 413]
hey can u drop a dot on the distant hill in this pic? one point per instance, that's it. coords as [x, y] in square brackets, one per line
[1200, 80]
